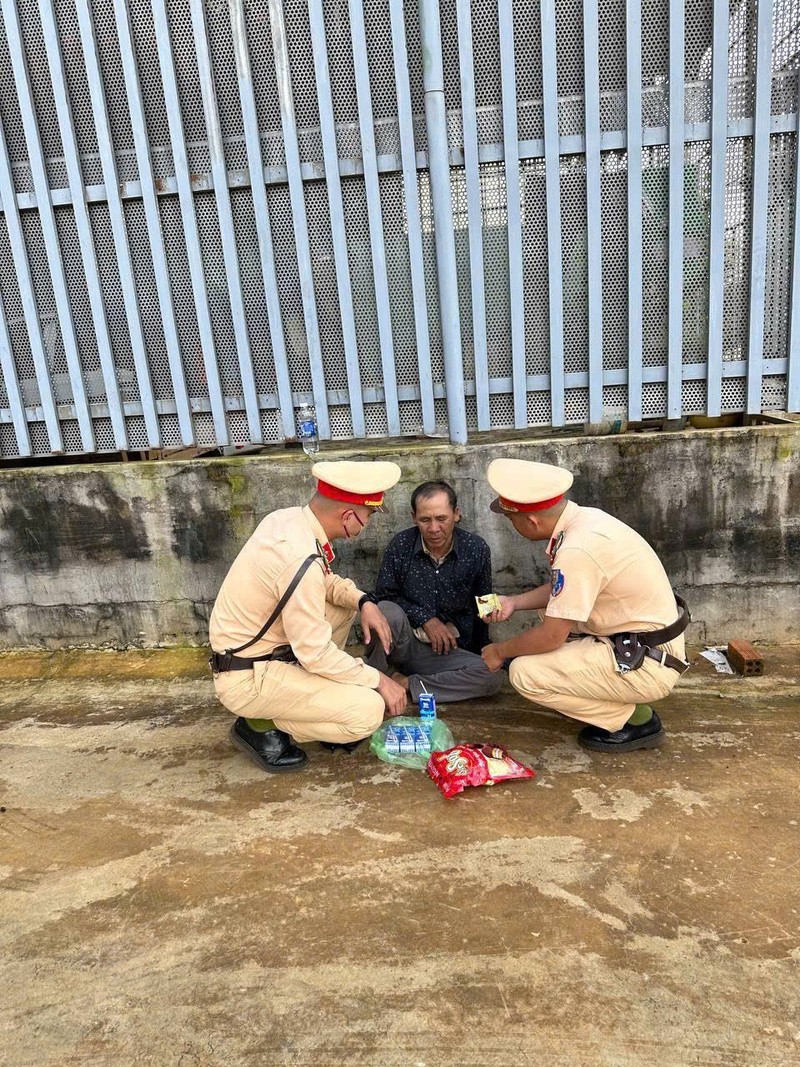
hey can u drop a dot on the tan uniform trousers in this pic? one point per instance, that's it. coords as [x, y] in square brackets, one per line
[580, 680]
[308, 707]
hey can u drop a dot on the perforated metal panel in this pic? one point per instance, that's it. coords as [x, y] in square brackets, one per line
[614, 236]
[535, 265]
[738, 220]
[98, 375]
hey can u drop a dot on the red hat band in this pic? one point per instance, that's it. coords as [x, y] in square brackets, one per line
[539, 505]
[333, 492]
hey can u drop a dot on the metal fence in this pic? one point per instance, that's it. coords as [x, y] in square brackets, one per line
[214, 210]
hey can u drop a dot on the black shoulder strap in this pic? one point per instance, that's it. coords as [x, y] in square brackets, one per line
[280, 605]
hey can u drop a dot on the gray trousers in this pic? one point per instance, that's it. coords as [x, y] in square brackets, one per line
[456, 675]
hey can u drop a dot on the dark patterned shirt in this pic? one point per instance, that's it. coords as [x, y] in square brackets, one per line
[446, 591]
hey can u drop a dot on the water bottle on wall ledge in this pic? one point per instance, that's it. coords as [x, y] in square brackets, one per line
[307, 429]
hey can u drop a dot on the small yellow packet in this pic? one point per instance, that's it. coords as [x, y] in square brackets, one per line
[487, 604]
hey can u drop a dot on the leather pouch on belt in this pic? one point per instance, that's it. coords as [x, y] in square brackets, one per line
[628, 653]
[284, 654]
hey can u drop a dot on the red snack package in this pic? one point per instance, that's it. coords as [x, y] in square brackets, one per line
[456, 768]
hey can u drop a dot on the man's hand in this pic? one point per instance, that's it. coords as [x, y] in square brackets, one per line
[394, 696]
[441, 636]
[505, 611]
[492, 658]
[375, 625]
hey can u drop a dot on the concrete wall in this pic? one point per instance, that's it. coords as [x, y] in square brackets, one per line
[133, 554]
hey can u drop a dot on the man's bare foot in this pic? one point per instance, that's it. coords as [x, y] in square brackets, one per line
[401, 679]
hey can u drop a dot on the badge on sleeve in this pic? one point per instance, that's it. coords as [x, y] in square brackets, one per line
[556, 582]
[551, 555]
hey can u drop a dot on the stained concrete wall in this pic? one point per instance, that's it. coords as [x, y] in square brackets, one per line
[133, 554]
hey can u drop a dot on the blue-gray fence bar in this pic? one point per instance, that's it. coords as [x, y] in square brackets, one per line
[633, 51]
[133, 92]
[758, 246]
[676, 179]
[505, 16]
[48, 222]
[225, 217]
[118, 228]
[370, 160]
[591, 44]
[189, 220]
[716, 253]
[552, 163]
[330, 155]
[81, 215]
[244, 75]
[30, 311]
[413, 222]
[299, 223]
[793, 379]
[442, 202]
[11, 381]
[82, 223]
[474, 216]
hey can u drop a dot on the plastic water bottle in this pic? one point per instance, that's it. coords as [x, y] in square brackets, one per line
[307, 429]
[427, 712]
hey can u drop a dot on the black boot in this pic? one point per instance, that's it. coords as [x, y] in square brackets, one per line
[649, 735]
[273, 750]
[347, 746]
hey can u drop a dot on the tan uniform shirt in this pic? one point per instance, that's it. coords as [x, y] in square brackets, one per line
[259, 576]
[606, 578]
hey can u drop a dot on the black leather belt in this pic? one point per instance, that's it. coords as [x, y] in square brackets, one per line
[221, 662]
[667, 660]
[631, 648]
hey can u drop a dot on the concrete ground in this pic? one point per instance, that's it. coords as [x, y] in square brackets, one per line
[164, 902]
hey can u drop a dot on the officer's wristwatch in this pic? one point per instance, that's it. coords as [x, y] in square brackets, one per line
[367, 598]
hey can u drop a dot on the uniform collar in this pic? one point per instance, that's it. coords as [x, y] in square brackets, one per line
[317, 531]
[564, 520]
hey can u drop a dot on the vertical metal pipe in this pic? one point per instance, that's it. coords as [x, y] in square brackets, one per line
[439, 162]
[16, 402]
[299, 222]
[758, 247]
[474, 214]
[591, 45]
[793, 374]
[261, 211]
[50, 233]
[118, 227]
[83, 224]
[633, 27]
[336, 209]
[553, 183]
[372, 189]
[413, 221]
[716, 253]
[676, 170]
[191, 236]
[505, 18]
[133, 91]
[21, 265]
[225, 215]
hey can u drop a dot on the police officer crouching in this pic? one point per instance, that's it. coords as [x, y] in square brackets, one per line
[611, 638]
[281, 619]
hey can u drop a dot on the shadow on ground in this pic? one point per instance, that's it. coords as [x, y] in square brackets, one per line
[164, 902]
